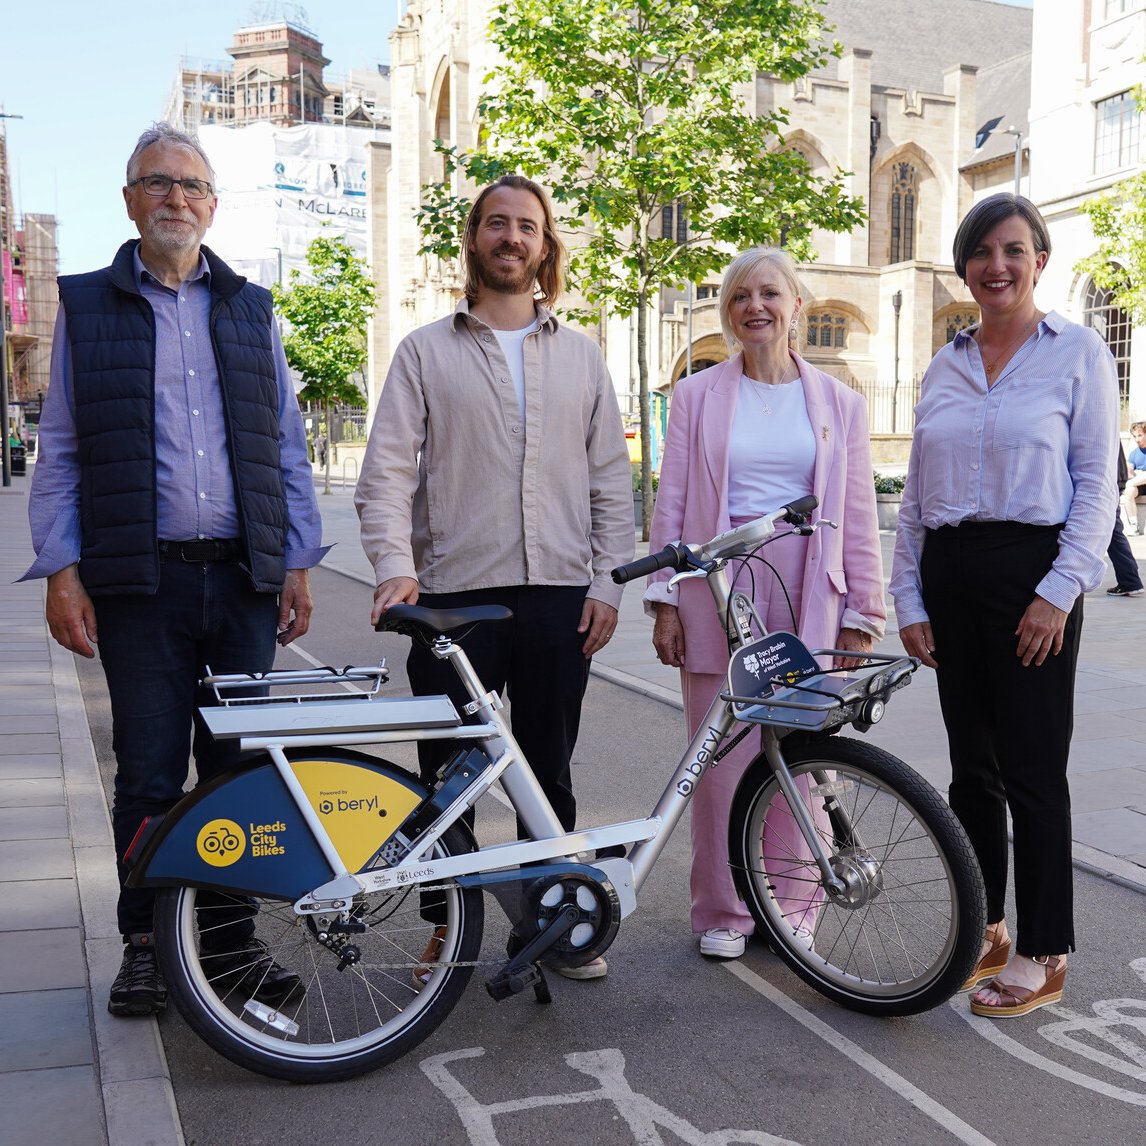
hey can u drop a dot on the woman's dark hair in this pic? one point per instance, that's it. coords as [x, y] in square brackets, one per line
[989, 213]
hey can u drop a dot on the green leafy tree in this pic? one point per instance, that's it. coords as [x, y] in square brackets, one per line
[1119, 222]
[327, 311]
[625, 112]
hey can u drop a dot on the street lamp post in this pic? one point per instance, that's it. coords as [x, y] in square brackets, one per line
[5, 449]
[992, 126]
[896, 303]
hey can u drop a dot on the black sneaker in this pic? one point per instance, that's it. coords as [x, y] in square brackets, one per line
[138, 988]
[1123, 591]
[248, 968]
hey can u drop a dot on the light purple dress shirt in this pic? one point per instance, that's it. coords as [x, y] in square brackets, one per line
[194, 487]
[1037, 447]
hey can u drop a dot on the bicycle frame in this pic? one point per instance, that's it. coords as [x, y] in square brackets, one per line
[276, 728]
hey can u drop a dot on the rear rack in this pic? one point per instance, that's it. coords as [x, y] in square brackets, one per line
[326, 703]
[355, 683]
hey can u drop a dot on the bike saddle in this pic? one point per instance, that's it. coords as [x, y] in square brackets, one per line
[416, 621]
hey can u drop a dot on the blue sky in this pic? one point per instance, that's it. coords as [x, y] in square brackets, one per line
[88, 78]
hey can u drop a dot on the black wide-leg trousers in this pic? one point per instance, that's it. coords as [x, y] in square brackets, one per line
[1008, 727]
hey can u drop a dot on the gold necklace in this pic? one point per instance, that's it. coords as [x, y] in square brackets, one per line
[1004, 355]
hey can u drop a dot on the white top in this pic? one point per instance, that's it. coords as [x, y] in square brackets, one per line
[772, 451]
[512, 343]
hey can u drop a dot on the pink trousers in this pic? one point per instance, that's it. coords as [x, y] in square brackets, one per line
[714, 899]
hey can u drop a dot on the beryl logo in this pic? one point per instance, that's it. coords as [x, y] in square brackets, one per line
[339, 804]
[221, 843]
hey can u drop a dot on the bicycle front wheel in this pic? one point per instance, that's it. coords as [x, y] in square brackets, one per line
[356, 1004]
[905, 934]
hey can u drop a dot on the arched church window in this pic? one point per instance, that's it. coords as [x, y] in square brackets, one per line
[958, 321]
[828, 330]
[1113, 323]
[904, 203]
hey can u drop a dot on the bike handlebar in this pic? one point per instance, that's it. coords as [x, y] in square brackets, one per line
[679, 556]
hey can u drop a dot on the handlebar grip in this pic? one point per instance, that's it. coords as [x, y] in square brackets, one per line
[801, 506]
[643, 566]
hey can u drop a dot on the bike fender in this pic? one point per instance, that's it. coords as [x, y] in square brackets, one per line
[242, 832]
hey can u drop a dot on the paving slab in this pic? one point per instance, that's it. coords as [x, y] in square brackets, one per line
[35, 859]
[44, 960]
[36, 904]
[29, 791]
[37, 823]
[41, 1029]
[60, 1107]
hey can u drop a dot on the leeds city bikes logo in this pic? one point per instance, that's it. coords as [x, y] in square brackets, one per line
[221, 843]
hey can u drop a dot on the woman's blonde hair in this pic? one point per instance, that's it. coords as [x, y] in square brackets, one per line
[741, 269]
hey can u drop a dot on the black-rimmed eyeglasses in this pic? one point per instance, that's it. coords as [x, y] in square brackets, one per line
[160, 186]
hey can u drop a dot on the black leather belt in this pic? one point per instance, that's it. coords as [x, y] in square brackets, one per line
[206, 549]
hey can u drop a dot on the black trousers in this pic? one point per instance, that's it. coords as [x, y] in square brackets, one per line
[1008, 727]
[537, 659]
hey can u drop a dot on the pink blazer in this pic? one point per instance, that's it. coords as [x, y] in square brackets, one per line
[843, 574]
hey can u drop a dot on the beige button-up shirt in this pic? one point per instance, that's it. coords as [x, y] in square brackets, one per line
[460, 491]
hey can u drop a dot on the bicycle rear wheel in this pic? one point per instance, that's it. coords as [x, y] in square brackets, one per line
[906, 934]
[349, 1014]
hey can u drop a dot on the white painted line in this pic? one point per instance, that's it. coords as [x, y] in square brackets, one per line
[895, 1082]
[989, 1029]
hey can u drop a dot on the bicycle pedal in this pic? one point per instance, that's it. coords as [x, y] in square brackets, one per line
[513, 980]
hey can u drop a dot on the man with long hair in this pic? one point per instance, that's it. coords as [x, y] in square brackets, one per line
[497, 473]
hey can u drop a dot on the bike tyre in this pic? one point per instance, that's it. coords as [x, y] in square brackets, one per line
[915, 942]
[350, 1021]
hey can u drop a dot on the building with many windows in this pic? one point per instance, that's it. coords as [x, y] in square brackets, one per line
[899, 111]
[1087, 60]
[276, 75]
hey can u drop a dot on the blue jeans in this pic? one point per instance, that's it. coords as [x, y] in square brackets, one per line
[1126, 574]
[154, 650]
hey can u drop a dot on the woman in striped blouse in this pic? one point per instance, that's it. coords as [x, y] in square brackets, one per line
[1005, 519]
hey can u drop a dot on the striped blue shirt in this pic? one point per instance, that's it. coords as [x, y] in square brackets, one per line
[1037, 447]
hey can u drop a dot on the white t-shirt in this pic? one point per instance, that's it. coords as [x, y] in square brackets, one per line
[512, 343]
[772, 450]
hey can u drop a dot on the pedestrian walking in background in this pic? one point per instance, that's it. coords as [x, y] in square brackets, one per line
[1127, 580]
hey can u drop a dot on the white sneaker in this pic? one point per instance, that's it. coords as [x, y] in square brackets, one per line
[722, 943]
[594, 969]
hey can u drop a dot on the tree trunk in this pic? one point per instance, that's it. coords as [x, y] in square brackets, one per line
[646, 421]
[329, 447]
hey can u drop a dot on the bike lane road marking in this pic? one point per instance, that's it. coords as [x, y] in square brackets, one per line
[939, 1113]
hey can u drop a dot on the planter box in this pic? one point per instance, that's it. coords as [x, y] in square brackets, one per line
[887, 509]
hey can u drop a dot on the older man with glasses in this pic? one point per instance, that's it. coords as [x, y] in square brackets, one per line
[173, 515]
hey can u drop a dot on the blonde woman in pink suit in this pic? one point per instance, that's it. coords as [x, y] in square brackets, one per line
[744, 437]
